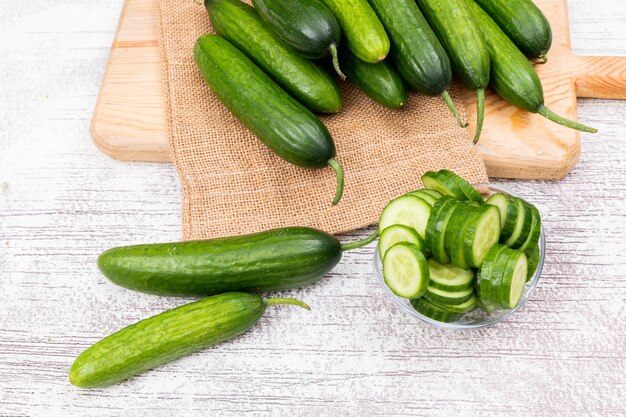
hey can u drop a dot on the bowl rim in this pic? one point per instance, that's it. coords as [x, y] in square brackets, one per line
[403, 304]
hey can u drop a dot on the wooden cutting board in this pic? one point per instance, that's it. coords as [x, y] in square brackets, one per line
[129, 119]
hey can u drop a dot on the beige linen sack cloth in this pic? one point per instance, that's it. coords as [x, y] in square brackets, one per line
[232, 184]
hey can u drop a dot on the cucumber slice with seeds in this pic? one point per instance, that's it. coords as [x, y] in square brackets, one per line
[424, 196]
[434, 312]
[434, 193]
[448, 183]
[508, 210]
[405, 270]
[442, 297]
[481, 232]
[407, 210]
[514, 279]
[535, 229]
[436, 227]
[396, 234]
[501, 201]
[449, 277]
[522, 224]
[453, 240]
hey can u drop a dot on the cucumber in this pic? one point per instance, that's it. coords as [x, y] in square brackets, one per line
[424, 196]
[461, 38]
[405, 270]
[533, 254]
[437, 225]
[523, 222]
[508, 213]
[465, 307]
[380, 82]
[285, 126]
[502, 277]
[169, 336]
[498, 277]
[407, 210]
[364, 33]
[396, 234]
[512, 76]
[453, 240]
[484, 276]
[448, 183]
[434, 311]
[535, 229]
[277, 259]
[514, 279]
[480, 233]
[307, 26]
[445, 298]
[523, 23]
[448, 277]
[306, 81]
[415, 49]
[433, 193]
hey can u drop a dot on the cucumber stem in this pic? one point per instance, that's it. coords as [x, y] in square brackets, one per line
[286, 301]
[453, 109]
[359, 243]
[339, 171]
[480, 113]
[552, 116]
[333, 54]
[543, 59]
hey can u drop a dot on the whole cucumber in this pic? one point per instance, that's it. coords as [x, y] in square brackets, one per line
[415, 49]
[308, 26]
[364, 33]
[285, 126]
[169, 336]
[306, 81]
[460, 37]
[523, 23]
[277, 259]
[381, 81]
[512, 75]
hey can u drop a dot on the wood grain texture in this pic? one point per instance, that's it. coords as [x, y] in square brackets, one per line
[62, 202]
[128, 121]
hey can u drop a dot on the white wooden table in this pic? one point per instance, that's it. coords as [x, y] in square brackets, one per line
[62, 203]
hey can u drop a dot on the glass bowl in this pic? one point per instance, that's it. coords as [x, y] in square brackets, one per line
[475, 319]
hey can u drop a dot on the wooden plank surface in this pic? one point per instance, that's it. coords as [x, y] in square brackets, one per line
[128, 121]
[62, 202]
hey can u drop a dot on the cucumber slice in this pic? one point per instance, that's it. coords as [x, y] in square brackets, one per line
[533, 261]
[436, 227]
[448, 183]
[434, 312]
[522, 224]
[535, 229]
[407, 210]
[405, 270]
[508, 212]
[483, 277]
[481, 232]
[467, 189]
[502, 202]
[434, 193]
[464, 307]
[514, 279]
[398, 233]
[453, 240]
[449, 277]
[446, 298]
[497, 277]
[424, 196]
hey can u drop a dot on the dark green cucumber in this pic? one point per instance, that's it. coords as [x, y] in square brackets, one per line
[523, 23]
[381, 81]
[461, 38]
[277, 259]
[415, 49]
[285, 126]
[364, 34]
[512, 75]
[306, 81]
[169, 336]
[308, 26]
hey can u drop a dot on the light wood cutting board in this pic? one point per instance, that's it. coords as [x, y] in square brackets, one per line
[129, 120]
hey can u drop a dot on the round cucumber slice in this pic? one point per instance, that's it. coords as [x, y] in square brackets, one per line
[396, 234]
[434, 312]
[522, 225]
[481, 232]
[448, 277]
[464, 307]
[424, 196]
[434, 193]
[442, 297]
[435, 228]
[533, 255]
[485, 275]
[498, 277]
[535, 229]
[407, 210]
[453, 240]
[405, 270]
[514, 279]
[466, 188]
[501, 201]
[433, 181]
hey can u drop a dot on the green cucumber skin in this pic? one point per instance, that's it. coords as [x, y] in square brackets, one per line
[279, 121]
[364, 34]
[523, 23]
[381, 81]
[460, 37]
[308, 26]
[306, 81]
[166, 337]
[277, 259]
[512, 75]
[415, 49]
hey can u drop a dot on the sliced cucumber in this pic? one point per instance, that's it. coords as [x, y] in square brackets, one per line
[405, 270]
[453, 240]
[497, 277]
[448, 183]
[522, 224]
[483, 277]
[514, 279]
[506, 271]
[535, 229]
[434, 193]
[502, 202]
[449, 277]
[424, 196]
[464, 307]
[407, 210]
[481, 232]
[435, 228]
[467, 189]
[443, 297]
[434, 312]
[396, 234]
[533, 261]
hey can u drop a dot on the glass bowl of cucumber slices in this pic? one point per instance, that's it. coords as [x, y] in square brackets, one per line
[457, 268]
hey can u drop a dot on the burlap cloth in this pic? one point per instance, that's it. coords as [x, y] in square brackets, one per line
[232, 184]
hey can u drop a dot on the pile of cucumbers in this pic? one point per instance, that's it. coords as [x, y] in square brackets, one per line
[449, 251]
[266, 62]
